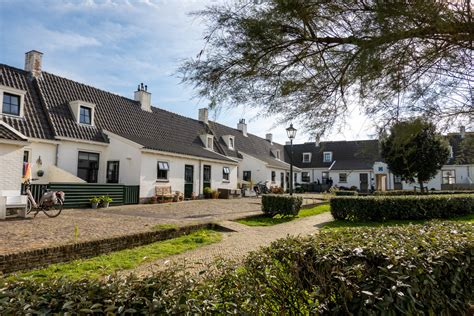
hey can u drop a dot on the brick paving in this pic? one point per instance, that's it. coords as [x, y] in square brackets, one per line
[235, 245]
[86, 224]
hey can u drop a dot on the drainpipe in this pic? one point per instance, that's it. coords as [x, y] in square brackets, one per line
[199, 181]
[57, 156]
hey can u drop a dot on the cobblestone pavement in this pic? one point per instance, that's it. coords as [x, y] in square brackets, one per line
[235, 245]
[87, 224]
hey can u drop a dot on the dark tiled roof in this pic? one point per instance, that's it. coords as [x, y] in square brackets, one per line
[158, 130]
[35, 122]
[251, 145]
[6, 133]
[349, 155]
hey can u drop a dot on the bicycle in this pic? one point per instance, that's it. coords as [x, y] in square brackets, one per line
[51, 203]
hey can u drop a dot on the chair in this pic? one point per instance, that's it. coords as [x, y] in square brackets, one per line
[10, 199]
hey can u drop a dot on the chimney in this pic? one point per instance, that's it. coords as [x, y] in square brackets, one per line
[144, 97]
[317, 141]
[269, 137]
[204, 115]
[242, 126]
[33, 62]
[462, 131]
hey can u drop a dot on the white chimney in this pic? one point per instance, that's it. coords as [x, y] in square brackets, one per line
[242, 126]
[33, 63]
[317, 141]
[204, 115]
[462, 131]
[144, 97]
[269, 137]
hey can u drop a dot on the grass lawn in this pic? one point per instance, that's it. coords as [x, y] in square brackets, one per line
[124, 259]
[263, 220]
[341, 224]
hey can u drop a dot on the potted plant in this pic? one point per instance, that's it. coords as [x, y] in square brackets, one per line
[105, 200]
[94, 202]
[153, 200]
[207, 192]
[215, 194]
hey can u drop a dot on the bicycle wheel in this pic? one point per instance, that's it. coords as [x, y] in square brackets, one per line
[54, 210]
[29, 206]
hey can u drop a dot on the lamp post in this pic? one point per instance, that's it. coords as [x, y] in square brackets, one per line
[291, 131]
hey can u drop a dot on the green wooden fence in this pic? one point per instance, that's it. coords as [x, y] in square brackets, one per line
[79, 194]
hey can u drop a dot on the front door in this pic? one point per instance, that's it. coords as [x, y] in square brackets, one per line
[364, 182]
[282, 180]
[381, 182]
[188, 181]
[206, 181]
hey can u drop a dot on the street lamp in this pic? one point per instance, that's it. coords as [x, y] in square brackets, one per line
[291, 131]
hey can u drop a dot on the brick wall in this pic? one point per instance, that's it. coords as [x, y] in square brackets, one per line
[42, 257]
[11, 160]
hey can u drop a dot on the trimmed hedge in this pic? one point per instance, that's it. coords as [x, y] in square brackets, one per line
[381, 208]
[407, 192]
[410, 270]
[281, 205]
[346, 193]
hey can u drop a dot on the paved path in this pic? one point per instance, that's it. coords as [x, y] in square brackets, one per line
[235, 245]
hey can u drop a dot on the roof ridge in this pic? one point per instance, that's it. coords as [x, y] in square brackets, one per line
[247, 133]
[24, 72]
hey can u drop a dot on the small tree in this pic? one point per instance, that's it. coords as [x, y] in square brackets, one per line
[414, 150]
[466, 151]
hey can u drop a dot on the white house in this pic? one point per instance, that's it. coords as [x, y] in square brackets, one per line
[71, 132]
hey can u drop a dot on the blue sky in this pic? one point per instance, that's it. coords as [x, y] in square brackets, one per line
[116, 44]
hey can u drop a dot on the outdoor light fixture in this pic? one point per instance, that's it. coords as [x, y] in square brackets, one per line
[291, 131]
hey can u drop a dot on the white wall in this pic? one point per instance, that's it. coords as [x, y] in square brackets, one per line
[130, 157]
[11, 166]
[256, 166]
[47, 152]
[148, 180]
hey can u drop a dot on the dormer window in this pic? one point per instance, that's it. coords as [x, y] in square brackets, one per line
[231, 143]
[210, 142]
[276, 153]
[327, 156]
[84, 112]
[85, 116]
[306, 157]
[12, 101]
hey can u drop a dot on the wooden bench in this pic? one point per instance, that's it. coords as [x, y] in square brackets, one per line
[166, 192]
[229, 194]
[10, 200]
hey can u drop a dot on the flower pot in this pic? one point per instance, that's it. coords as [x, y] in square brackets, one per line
[106, 204]
[95, 205]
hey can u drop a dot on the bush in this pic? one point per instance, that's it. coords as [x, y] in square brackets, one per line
[346, 193]
[407, 192]
[427, 269]
[281, 205]
[381, 208]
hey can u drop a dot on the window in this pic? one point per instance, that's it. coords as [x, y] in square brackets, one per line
[11, 104]
[26, 161]
[273, 176]
[247, 176]
[449, 177]
[88, 166]
[305, 177]
[343, 177]
[225, 173]
[277, 154]
[210, 142]
[325, 177]
[231, 143]
[397, 179]
[163, 168]
[85, 115]
[327, 156]
[306, 157]
[113, 168]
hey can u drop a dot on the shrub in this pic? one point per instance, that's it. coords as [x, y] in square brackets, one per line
[346, 193]
[408, 192]
[427, 269]
[281, 205]
[381, 208]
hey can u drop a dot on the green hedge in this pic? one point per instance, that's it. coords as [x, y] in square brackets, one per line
[381, 208]
[281, 205]
[407, 192]
[346, 193]
[411, 270]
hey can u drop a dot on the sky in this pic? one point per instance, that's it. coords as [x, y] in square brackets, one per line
[116, 44]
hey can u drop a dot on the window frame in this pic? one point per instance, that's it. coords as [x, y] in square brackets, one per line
[273, 175]
[162, 167]
[231, 143]
[225, 173]
[210, 142]
[309, 157]
[342, 177]
[90, 109]
[330, 156]
[15, 92]
[18, 105]
[95, 171]
[245, 174]
[453, 176]
[109, 163]
[305, 178]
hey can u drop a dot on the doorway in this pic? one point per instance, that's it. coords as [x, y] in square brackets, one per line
[206, 179]
[364, 182]
[188, 181]
[381, 182]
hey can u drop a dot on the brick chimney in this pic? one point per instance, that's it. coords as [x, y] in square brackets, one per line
[317, 141]
[204, 115]
[242, 126]
[144, 97]
[33, 63]
[269, 137]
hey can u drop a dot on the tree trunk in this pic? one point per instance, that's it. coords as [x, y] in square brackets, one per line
[421, 186]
